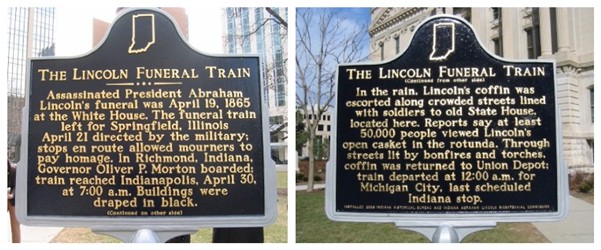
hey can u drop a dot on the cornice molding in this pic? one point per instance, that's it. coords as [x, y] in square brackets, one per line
[383, 20]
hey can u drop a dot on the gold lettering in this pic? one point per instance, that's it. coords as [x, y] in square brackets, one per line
[228, 72]
[165, 73]
[52, 75]
[100, 74]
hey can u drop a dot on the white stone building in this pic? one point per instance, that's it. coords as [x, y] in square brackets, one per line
[322, 134]
[563, 34]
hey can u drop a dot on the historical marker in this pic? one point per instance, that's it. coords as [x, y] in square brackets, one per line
[145, 130]
[446, 132]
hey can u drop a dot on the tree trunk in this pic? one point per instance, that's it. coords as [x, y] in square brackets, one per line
[311, 175]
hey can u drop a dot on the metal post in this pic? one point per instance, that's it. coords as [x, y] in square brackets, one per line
[445, 234]
[147, 235]
[238, 235]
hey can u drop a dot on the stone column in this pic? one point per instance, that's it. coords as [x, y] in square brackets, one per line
[479, 21]
[510, 32]
[545, 31]
[563, 30]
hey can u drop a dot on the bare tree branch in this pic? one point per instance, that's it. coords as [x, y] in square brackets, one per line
[323, 40]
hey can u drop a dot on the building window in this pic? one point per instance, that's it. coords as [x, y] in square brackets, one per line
[553, 29]
[274, 139]
[260, 34]
[591, 144]
[275, 156]
[497, 20]
[498, 46]
[533, 37]
[381, 51]
[496, 13]
[231, 30]
[465, 13]
[397, 43]
[278, 119]
[280, 79]
[279, 65]
[592, 98]
[532, 43]
[245, 30]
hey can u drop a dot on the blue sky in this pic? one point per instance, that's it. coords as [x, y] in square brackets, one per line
[357, 14]
[352, 17]
[361, 17]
